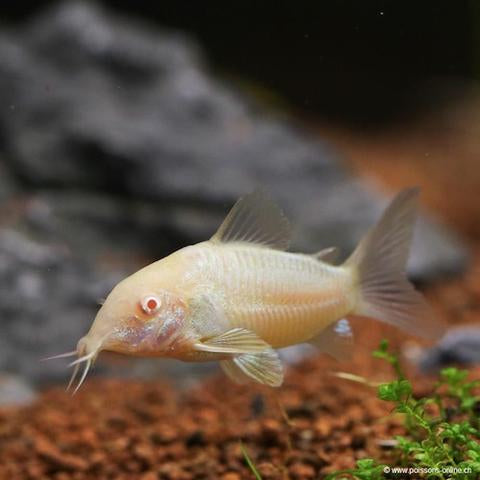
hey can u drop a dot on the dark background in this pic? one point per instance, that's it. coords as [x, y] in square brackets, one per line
[365, 64]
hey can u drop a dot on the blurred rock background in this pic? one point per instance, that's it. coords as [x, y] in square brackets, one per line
[127, 132]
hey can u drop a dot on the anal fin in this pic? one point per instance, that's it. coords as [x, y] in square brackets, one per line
[336, 340]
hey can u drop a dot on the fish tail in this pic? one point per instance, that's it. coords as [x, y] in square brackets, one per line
[379, 267]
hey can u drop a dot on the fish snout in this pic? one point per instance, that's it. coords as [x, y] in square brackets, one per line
[89, 346]
[87, 352]
[82, 347]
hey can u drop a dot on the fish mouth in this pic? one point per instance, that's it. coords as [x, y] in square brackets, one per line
[87, 352]
[87, 356]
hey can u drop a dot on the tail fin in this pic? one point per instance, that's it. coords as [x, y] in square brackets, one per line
[380, 265]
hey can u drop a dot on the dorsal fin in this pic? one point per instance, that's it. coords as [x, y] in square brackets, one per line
[327, 255]
[255, 219]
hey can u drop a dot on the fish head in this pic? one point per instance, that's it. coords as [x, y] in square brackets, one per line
[137, 318]
[144, 315]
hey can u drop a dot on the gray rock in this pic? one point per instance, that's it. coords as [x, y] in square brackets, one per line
[119, 108]
[15, 391]
[119, 147]
[47, 300]
[459, 346]
[8, 187]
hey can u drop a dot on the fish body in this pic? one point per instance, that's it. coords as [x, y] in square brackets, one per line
[240, 295]
[285, 298]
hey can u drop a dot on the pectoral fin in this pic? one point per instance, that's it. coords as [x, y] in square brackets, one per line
[336, 340]
[264, 367]
[235, 341]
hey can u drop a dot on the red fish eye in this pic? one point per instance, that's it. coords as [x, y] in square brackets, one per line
[150, 305]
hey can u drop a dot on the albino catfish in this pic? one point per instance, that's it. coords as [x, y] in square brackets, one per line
[240, 295]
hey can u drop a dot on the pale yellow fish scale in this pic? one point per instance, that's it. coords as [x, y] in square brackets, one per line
[285, 298]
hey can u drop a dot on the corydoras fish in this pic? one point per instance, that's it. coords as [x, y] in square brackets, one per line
[239, 296]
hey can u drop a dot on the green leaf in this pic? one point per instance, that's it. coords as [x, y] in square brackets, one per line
[249, 462]
[453, 376]
[382, 349]
[365, 463]
[395, 391]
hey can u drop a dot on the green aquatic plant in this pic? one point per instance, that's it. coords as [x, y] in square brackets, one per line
[365, 469]
[442, 439]
[249, 462]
